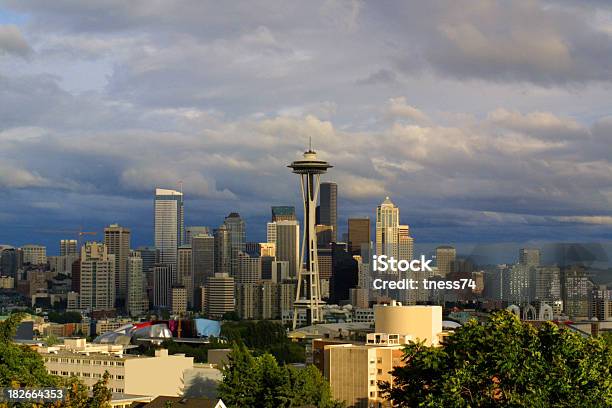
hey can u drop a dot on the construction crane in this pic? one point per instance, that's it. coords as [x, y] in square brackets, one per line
[78, 233]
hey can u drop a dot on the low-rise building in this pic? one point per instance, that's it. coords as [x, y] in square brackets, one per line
[162, 374]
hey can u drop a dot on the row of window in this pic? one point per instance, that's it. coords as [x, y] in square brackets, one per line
[85, 362]
[88, 375]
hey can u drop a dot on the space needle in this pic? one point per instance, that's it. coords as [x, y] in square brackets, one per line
[308, 294]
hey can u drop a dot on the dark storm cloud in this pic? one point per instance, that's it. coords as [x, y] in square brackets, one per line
[223, 97]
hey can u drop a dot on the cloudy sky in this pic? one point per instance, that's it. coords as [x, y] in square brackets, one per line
[485, 121]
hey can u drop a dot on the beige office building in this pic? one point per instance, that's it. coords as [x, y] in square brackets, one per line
[355, 370]
[34, 254]
[387, 229]
[445, 260]
[97, 287]
[179, 300]
[162, 374]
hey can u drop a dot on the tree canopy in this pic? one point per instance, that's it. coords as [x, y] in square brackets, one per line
[20, 366]
[260, 382]
[505, 363]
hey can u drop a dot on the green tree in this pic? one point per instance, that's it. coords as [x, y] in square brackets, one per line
[505, 363]
[20, 366]
[101, 394]
[260, 382]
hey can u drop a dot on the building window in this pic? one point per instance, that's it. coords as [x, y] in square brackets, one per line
[379, 360]
[119, 377]
[379, 371]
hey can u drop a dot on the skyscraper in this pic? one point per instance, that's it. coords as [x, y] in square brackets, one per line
[237, 234]
[220, 295]
[203, 258]
[445, 259]
[387, 229]
[136, 303]
[328, 209]
[308, 293]
[68, 247]
[529, 257]
[249, 269]
[358, 234]
[405, 243]
[288, 244]
[169, 225]
[222, 250]
[117, 241]
[283, 213]
[194, 230]
[162, 286]
[97, 277]
[34, 254]
[184, 270]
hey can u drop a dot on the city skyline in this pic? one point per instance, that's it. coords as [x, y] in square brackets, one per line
[475, 146]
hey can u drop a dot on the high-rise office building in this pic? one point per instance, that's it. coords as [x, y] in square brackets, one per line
[185, 270]
[325, 235]
[248, 300]
[220, 295]
[267, 249]
[237, 235]
[194, 230]
[117, 241]
[136, 303]
[405, 243]
[179, 300]
[203, 261]
[288, 244]
[162, 285]
[387, 229]
[328, 208]
[34, 254]
[271, 232]
[222, 250]
[445, 259]
[169, 225]
[519, 284]
[248, 268]
[358, 234]
[345, 273]
[68, 247]
[576, 288]
[529, 257]
[150, 257]
[547, 284]
[97, 278]
[283, 213]
[10, 261]
[601, 303]
[252, 248]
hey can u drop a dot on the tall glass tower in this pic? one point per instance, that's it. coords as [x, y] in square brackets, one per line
[308, 293]
[169, 225]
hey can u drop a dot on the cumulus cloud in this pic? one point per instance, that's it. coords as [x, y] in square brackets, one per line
[12, 176]
[398, 108]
